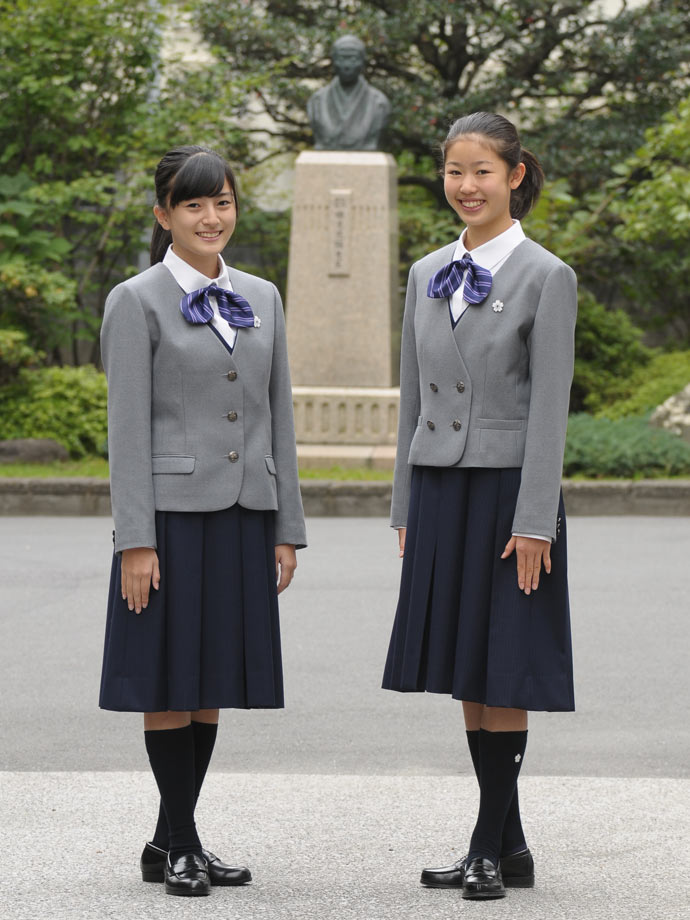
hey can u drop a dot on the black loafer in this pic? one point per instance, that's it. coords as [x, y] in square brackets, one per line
[221, 874]
[517, 871]
[445, 876]
[187, 876]
[152, 863]
[153, 859]
[482, 880]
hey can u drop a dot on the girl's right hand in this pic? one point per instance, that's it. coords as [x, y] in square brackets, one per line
[140, 570]
[401, 540]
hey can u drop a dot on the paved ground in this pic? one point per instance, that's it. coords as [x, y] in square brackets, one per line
[338, 801]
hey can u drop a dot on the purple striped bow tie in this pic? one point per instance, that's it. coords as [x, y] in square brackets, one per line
[448, 279]
[196, 307]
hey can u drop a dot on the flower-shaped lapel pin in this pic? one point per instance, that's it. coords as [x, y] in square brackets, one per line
[497, 306]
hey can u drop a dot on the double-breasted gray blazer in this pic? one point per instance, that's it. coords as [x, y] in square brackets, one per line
[192, 427]
[494, 391]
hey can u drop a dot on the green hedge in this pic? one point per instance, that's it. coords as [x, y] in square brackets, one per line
[68, 404]
[665, 375]
[627, 447]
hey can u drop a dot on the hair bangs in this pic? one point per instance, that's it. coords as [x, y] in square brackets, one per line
[201, 176]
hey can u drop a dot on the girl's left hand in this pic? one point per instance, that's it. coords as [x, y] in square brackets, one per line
[530, 553]
[286, 563]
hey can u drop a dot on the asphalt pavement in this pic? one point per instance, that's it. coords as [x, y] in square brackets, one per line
[337, 801]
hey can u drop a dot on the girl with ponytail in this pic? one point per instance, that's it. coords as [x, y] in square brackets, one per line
[486, 367]
[205, 498]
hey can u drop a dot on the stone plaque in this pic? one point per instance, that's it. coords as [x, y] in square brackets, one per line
[343, 275]
[340, 231]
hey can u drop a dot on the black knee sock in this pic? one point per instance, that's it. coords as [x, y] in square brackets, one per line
[500, 755]
[171, 754]
[204, 741]
[513, 839]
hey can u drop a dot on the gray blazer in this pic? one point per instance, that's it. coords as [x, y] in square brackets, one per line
[494, 391]
[192, 427]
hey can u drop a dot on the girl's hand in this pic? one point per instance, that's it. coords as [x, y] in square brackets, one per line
[139, 571]
[286, 563]
[402, 531]
[530, 553]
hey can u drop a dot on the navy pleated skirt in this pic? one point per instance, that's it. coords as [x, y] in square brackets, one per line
[462, 626]
[210, 636]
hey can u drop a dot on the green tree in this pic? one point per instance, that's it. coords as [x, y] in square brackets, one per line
[87, 107]
[629, 239]
[583, 83]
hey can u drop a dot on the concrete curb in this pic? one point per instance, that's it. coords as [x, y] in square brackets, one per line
[326, 498]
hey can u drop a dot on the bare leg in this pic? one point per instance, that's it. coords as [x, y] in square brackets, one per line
[161, 721]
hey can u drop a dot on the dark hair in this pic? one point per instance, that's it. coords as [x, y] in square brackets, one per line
[184, 173]
[503, 137]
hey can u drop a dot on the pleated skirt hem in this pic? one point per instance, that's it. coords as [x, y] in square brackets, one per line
[210, 636]
[462, 626]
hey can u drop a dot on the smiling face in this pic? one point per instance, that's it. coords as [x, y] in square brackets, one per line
[478, 183]
[201, 228]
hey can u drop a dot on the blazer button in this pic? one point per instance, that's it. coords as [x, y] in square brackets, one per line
[434, 387]
[232, 375]
[233, 456]
[457, 424]
[232, 416]
[430, 426]
[460, 386]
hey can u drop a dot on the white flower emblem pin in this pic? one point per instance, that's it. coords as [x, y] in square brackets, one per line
[497, 306]
[518, 758]
[257, 322]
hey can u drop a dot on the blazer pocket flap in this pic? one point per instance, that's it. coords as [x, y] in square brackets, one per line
[502, 424]
[270, 466]
[173, 464]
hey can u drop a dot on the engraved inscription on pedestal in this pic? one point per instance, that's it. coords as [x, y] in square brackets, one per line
[340, 231]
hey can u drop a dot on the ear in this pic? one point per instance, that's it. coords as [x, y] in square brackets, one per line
[517, 175]
[161, 216]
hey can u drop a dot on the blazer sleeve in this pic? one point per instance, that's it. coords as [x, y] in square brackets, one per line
[290, 527]
[127, 359]
[551, 345]
[410, 403]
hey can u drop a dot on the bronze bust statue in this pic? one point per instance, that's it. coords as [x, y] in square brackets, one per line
[349, 113]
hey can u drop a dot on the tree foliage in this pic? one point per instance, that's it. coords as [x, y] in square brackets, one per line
[87, 107]
[583, 84]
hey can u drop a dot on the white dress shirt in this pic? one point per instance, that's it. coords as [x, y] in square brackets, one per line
[489, 255]
[190, 280]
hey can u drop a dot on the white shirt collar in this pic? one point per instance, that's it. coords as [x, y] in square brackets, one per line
[189, 278]
[489, 254]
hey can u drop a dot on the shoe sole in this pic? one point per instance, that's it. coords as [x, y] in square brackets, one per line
[517, 882]
[159, 877]
[230, 884]
[439, 885]
[152, 876]
[483, 895]
[180, 892]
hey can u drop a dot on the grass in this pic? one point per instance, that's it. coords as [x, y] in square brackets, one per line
[97, 467]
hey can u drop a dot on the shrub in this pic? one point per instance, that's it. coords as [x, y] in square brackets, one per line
[608, 351]
[15, 353]
[648, 387]
[627, 447]
[68, 404]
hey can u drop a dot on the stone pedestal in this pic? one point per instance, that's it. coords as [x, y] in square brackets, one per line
[343, 269]
[342, 295]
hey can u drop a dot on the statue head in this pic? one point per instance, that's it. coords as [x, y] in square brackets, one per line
[348, 55]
